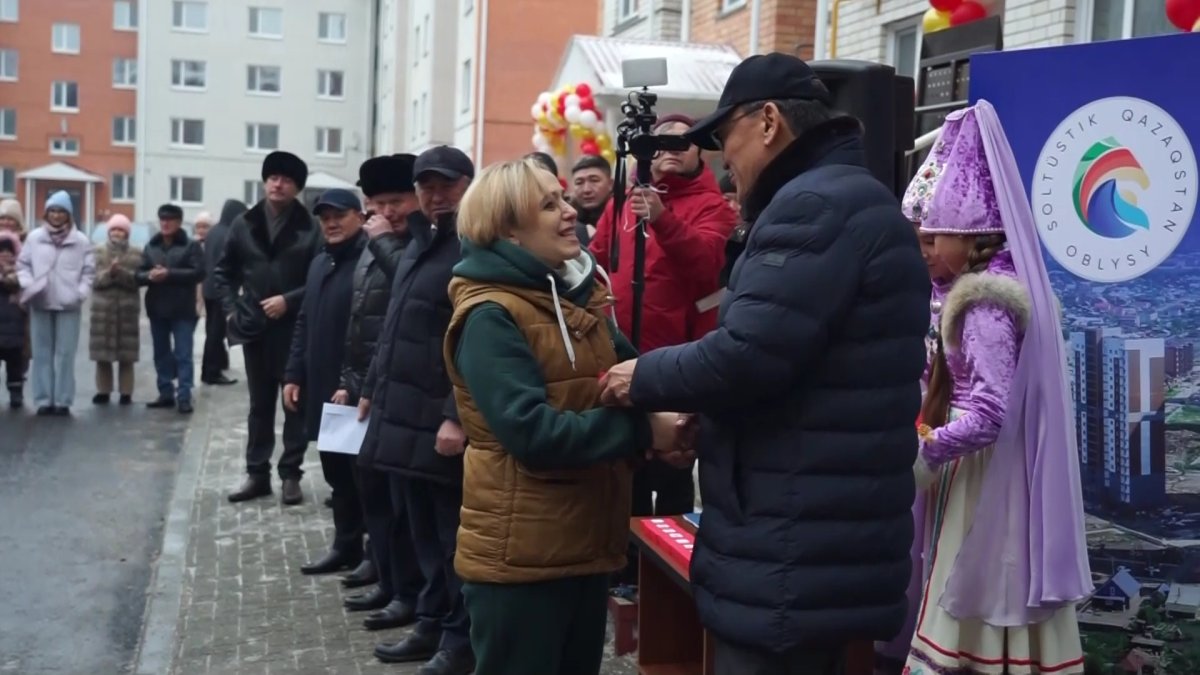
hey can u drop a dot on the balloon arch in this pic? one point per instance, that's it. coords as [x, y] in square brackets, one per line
[570, 113]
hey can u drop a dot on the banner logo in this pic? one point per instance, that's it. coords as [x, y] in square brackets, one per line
[1115, 189]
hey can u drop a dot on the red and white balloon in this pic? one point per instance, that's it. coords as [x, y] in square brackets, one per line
[570, 112]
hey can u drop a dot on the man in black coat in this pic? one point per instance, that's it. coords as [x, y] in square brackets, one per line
[172, 265]
[391, 196]
[314, 365]
[414, 432]
[266, 258]
[808, 390]
[216, 357]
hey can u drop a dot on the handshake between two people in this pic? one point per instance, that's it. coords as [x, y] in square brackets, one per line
[674, 434]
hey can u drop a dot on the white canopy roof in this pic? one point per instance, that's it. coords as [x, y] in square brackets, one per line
[319, 180]
[694, 71]
[60, 172]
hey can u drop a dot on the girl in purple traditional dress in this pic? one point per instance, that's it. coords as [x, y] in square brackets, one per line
[999, 510]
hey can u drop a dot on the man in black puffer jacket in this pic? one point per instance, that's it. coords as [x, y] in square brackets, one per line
[808, 390]
[414, 432]
[172, 265]
[388, 184]
[215, 360]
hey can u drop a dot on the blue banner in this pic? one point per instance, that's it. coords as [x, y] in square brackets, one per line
[1106, 136]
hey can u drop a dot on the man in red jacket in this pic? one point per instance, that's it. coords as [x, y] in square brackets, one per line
[689, 223]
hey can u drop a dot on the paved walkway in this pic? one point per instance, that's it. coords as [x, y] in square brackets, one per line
[229, 598]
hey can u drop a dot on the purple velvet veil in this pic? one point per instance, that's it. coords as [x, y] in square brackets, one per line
[1025, 555]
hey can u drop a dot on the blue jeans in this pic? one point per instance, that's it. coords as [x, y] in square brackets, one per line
[55, 337]
[173, 363]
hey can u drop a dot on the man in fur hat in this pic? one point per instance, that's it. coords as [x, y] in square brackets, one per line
[260, 281]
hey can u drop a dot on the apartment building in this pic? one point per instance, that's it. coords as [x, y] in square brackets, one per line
[224, 82]
[889, 31]
[749, 26]
[68, 78]
[464, 72]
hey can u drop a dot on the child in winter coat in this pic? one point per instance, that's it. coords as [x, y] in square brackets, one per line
[14, 348]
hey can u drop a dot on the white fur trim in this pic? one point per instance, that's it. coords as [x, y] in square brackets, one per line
[982, 288]
[924, 474]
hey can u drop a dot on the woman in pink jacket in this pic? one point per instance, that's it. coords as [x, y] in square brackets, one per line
[56, 269]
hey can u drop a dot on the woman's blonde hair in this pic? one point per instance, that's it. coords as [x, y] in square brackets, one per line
[501, 197]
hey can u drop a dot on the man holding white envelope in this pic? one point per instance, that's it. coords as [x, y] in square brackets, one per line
[315, 363]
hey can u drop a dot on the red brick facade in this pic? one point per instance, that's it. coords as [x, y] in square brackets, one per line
[784, 26]
[98, 101]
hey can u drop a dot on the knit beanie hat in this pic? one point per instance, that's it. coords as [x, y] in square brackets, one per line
[11, 208]
[119, 222]
[61, 200]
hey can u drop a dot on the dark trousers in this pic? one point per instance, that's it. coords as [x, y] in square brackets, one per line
[216, 357]
[264, 379]
[731, 659]
[676, 496]
[553, 627]
[433, 512]
[338, 469]
[15, 365]
[173, 363]
[391, 540]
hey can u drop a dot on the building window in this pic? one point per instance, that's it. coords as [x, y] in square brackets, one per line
[331, 84]
[8, 64]
[331, 27]
[1120, 19]
[187, 189]
[425, 44]
[904, 47]
[122, 187]
[64, 146]
[261, 136]
[626, 9]
[464, 87]
[189, 15]
[263, 79]
[124, 131]
[8, 123]
[187, 133]
[414, 121]
[425, 114]
[266, 22]
[730, 5]
[8, 10]
[125, 15]
[417, 47]
[64, 96]
[64, 38]
[252, 192]
[468, 5]
[124, 73]
[329, 141]
[189, 74]
[8, 180]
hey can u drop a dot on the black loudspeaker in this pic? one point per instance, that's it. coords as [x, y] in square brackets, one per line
[883, 102]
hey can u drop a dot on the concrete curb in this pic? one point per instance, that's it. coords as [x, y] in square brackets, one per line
[156, 649]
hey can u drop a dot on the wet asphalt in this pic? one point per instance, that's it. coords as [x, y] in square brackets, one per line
[82, 507]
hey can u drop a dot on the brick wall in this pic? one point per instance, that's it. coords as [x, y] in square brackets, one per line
[784, 26]
[654, 21]
[1039, 23]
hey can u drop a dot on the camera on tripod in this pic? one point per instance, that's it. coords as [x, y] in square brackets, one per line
[636, 138]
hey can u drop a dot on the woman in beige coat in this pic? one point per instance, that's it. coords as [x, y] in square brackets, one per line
[116, 310]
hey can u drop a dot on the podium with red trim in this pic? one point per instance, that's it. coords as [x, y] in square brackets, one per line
[669, 637]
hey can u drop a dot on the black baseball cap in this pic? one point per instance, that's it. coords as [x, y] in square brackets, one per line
[445, 161]
[337, 198]
[762, 77]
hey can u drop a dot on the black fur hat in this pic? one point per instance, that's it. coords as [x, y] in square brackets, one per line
[280, 163]
[388, 173]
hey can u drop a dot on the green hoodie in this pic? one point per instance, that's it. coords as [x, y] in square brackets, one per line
[506, 382]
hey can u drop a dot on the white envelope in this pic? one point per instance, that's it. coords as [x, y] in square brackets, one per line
[340, 429]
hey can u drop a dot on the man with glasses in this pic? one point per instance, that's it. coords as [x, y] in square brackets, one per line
[806, 392]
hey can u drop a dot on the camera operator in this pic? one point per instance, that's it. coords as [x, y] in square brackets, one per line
[688, 225]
